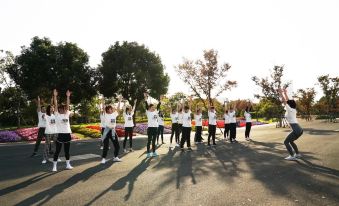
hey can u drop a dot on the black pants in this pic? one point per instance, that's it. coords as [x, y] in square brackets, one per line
[41, 134]
[63, 139]
[211, 133]
[152, 133]
[128, 133]
[186, 137]
[297, 131]
[179, 131]
[233, 131]
[248, 129]
[227, 130]
[175, 130]
[114, 139]
[197, 137]
[160, 132]
[102, 132]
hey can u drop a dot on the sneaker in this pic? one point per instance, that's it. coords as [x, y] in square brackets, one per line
[235, 141]
[54, 169]
[297, 155]
[69, 167]
[189, 149]
[149, 155]
[155, 154]
[291, 158]
[177, 145]
[125, 151]
[34, 154]
[101, 147]
[44, 161]
[117, 159]
[59, 160]
[214, 145]
[103, 161]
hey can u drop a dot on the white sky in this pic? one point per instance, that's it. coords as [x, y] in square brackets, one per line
[252, 36]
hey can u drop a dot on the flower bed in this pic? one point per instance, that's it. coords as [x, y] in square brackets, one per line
[31, 134]
[9, 136]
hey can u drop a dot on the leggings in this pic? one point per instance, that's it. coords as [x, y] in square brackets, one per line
[248, 129]
[211, 133]
[227, 130]
[41, 134]
[175, 130]
[197, 137]
[48, 138]
[233, 131]
[152, 135]
[297, 131]
[179, 131]
[160, 132]
[128, 133]
[114, 139]
[186, 137]
[63, 139]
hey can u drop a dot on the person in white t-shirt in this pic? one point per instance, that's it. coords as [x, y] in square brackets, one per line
[233, 123]
[50, 131]
[248, 119]
[41, 125]
[198, 125]
[161, 123]
[212, 125]
[175, 126]
[111, 114]
[63, 128]
[152, 130]
[227, 123]
[128, 113]
[180, 122]
[297, 131]
[186, 127]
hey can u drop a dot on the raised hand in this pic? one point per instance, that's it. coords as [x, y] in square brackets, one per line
[55, 92]
[68, 93]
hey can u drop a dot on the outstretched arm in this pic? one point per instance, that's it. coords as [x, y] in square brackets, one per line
[39, 104]
[190, 103]
[55, 96]
[119, 102]
[284, 101]
[68, 101]
[146, 103]
[135, 103]
[102, 105]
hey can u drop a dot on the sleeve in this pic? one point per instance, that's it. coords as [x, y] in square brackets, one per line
[158, 106]
[146, 104]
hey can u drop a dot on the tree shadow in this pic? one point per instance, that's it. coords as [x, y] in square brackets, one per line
[185, 168]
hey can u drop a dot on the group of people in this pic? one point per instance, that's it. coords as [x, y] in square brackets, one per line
[54, 126]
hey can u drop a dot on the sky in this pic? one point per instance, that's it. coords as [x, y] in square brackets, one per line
[252, 36]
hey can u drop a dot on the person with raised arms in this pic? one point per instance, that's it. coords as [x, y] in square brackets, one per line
[212, 125]
[152, 130]
[180, 121]
[41, 125]
[186, 127]
[248, 119]
[198, 125]
[297, 131]
[63, 128]
[227, 123]
[175, 125]
[128, 112]
[111, 114]
[233, 123]
[161, 123]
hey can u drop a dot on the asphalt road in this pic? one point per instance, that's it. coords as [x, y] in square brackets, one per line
[247, 173]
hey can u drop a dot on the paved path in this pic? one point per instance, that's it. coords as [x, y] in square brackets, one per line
[248, 173]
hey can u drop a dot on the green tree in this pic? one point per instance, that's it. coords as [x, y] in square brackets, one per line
[330, 87]
[305, 102]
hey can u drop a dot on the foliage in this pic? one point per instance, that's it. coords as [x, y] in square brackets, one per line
[305, 102]
[330, 87]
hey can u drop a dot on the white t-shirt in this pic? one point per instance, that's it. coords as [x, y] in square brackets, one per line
[227, 118]
[111, 120]
[128, 119]
[62, 123]
[186, 119]
[161, 120]
[212, 118]
[174, 117]
[233, 118]
[152, 118]
[42, 121]
[180, 118]
[291, 115]
[247, 116]
[198, 119]
[102, 120]
[50, 124]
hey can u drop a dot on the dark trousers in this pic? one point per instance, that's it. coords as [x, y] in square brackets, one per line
[128, 133]
[114, 139]
[248, 129]
[160, 132]
[233, 131]
[41, 134]
[227, 130]
[179, 131]
[297, 131]
[175, 130]
[186, 137]
[67, 146]
[197, 137]
[102, 132]
[211, 133]
[152, 133]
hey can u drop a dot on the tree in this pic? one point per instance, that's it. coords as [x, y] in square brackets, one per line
[130, 69]
[5, 61]
[269, 89]
[330, 87]
[306, 102]
[205, 77]
[43, 66]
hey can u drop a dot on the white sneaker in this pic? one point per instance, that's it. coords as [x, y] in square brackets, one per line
[125, 151]
[297, 156]
[44, 161]
[59, 160]
[54, 169]
[102, 147]
[290, 158]
[69, 167]
[103, 161]
[117, 159]
[177, 145]
[54, 166]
